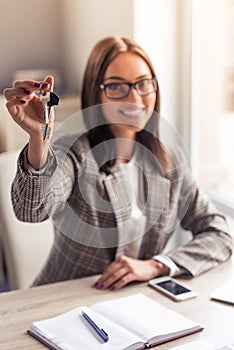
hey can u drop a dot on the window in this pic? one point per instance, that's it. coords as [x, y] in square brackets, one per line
[191, 44]
[213, 99]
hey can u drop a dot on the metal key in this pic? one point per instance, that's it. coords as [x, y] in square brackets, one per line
[48, 99]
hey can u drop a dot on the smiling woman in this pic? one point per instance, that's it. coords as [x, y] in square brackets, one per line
[116, 193]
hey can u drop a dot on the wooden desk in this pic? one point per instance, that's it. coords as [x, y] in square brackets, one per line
[18, 309]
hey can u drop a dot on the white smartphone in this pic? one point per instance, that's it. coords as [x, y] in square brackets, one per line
[172, 288]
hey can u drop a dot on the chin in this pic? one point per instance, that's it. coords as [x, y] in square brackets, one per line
[137, 128]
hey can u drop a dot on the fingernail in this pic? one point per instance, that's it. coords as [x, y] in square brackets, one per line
[95, 284]
[22, 101]
[37, 85]
[112, 288]
[45, 85]
[27, 92]
[101, 286]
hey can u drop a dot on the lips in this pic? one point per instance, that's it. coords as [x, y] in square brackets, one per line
[133, 113]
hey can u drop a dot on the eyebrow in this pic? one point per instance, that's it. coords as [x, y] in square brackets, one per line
[122, 79]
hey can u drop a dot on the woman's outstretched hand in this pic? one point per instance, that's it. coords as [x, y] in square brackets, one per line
[125, 270]
[27, 111]
[25, 107]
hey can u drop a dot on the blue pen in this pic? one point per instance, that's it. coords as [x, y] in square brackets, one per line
[98, 330]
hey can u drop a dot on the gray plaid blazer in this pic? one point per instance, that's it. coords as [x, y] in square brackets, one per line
[90, 211]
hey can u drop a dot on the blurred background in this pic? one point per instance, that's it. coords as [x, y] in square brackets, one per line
[191, 44]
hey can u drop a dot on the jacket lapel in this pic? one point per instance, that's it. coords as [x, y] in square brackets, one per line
[157, 197]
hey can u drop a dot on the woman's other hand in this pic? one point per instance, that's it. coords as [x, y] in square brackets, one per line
[125, 270]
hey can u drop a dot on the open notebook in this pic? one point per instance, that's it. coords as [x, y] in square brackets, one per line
[133, 322]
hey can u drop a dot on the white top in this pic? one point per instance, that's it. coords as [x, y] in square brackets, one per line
[133, 180]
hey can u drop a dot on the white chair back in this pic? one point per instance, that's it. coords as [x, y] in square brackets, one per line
[24, 247]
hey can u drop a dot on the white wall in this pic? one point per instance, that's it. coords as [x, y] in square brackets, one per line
[212, 61]
[87, 21]
[30, 33]
[159, 29]
[61, 33]
[57, 34]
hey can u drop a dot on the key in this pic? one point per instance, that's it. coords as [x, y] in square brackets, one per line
[45, 98]
[54, 100]
[48, 99]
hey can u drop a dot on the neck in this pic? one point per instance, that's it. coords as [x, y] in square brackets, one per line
[124, 148]
[123, 134]
[124, 141]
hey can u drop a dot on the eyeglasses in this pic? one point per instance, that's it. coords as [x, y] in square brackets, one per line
[117, 91]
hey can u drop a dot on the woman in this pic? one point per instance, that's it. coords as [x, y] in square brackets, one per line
[102, 224]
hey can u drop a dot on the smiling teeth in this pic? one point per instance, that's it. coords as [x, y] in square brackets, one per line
[133, 112]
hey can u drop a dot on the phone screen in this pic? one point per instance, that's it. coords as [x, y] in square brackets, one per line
[173, 287]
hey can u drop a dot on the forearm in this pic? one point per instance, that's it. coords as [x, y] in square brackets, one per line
[37, 152]
[212, 243]
[204, 252]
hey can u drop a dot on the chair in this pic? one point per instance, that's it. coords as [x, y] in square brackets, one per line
[24, 247]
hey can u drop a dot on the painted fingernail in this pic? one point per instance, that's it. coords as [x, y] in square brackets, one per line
[37, 85]
[45, 85]
[27, 92]
[112, 288]
[23, 102]
[101, 286]
[95, 284]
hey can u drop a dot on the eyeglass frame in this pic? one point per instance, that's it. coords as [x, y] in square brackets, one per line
[130, 85]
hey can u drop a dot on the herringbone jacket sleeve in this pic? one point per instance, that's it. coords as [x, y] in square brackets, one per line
[212, 243]
[37, 196]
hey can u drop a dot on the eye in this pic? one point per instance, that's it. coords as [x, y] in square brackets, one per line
[113, 86]
[144, 84]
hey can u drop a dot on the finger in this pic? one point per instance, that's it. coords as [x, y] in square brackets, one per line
[13, 107]
[49, 79]
[114, 277]
[12, 93]
[127, 278]
[112, 268]
[31, 85]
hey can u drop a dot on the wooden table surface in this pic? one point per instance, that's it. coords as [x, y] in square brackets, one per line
[18, 309]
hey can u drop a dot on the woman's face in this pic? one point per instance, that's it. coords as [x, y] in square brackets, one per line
[129, 114]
